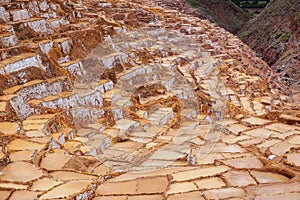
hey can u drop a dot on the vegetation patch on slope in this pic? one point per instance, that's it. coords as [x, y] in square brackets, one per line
[275, 34]
[225, 13]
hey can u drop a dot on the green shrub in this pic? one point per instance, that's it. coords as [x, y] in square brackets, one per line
[286, 37]
[285, 56]
[253, 4]
[278, 35]
[269, 37]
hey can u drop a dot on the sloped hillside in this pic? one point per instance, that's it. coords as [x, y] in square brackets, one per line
[275, 35]
[225, 13]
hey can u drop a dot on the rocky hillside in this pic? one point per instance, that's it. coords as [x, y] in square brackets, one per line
[275, 35]
[224, 13]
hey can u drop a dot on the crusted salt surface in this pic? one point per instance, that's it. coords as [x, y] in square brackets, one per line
[128, 100]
